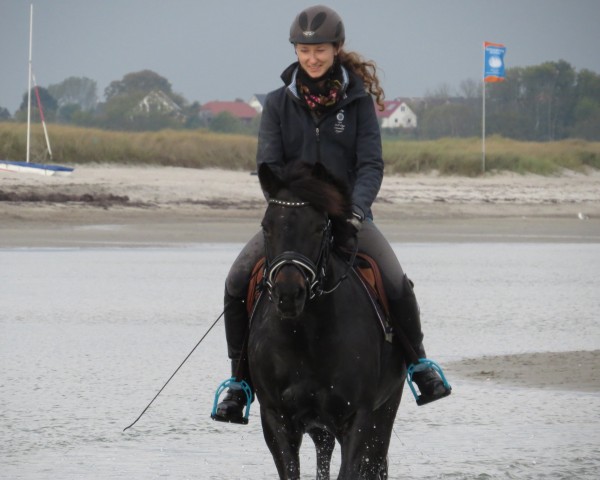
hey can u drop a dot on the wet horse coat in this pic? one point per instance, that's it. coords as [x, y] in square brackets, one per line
[317, 355]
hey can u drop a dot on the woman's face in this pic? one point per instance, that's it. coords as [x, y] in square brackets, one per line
[316, 59]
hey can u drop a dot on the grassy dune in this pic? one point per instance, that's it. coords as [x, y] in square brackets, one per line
[201, 149]
[460, 156]
[185, 148]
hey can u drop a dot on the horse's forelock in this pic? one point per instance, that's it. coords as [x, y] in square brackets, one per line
[321, 195]
[325, 193]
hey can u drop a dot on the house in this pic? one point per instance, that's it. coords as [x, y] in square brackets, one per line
[158, 101]
[257, 102]
[238, 109]
[396, 114]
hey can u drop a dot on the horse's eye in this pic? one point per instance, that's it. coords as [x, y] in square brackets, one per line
[265, 229]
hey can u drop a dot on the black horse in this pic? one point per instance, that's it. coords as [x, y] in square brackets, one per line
[317, 354]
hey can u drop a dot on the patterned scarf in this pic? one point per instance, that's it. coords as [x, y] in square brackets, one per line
[320, 94]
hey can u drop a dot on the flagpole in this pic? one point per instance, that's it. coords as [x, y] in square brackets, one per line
[483, 118]
[493, 71]
[483, 122]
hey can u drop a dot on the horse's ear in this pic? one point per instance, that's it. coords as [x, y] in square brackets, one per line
[269, 181]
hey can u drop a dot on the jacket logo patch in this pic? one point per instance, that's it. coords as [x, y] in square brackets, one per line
[339, 125]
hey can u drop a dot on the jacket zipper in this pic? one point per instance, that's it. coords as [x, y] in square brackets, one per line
[317, 132]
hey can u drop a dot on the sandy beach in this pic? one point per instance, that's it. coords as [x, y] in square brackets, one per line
[152, 206]
[577, 371]
[163, 205]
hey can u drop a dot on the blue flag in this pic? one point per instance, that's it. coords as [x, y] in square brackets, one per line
[493, 70]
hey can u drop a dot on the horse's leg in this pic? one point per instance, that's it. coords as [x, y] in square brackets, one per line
[383, 471]
[284, 443]
[366, 442]
[324, 444]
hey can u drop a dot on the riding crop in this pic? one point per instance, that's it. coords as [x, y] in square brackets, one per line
[175, 372]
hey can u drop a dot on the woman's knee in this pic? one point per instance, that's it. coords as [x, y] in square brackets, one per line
[238, 277]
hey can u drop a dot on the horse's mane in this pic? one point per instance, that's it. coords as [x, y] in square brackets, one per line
[324, 192]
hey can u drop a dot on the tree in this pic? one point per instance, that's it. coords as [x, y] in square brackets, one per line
[137, 83]
[470, 89]
[80, 91]
[142, 101]
[539, 99]
[4, 114]
[49, 106]
[450, 119]
[586, 112]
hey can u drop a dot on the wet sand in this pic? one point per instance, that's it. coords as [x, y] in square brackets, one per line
[578, 371]
[122, 206]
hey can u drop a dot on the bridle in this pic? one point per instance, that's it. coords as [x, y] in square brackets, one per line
[313, 272]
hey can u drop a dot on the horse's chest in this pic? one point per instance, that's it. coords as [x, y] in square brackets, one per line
[308, 377]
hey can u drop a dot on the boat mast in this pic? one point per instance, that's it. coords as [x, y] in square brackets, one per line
[29, 82]
[41, 110]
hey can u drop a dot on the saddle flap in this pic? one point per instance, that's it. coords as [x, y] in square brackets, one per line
[256, 279]
[370, 274]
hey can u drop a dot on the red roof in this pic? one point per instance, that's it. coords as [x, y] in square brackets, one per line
[390, 106]
[237, 109]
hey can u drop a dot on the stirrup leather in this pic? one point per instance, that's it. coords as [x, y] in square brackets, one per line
[422, 365]
[231, 382]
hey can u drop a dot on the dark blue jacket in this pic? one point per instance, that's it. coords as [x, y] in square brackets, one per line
[347, 139]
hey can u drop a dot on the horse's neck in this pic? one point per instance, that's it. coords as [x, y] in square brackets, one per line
[337, 267]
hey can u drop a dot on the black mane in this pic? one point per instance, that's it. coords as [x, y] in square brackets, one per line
[315, 185]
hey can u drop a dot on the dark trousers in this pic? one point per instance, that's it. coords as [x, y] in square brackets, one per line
[370, 241]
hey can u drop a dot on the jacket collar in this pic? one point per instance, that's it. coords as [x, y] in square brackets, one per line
[290, 74]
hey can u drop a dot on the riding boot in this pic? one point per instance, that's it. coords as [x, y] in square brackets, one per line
[231, 408]
[406, 320]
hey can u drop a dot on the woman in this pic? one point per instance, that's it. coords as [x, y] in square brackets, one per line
[325, 113]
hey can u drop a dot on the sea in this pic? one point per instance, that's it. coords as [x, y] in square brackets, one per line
[88, 336]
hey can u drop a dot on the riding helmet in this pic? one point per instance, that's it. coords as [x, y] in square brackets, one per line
[317, 24]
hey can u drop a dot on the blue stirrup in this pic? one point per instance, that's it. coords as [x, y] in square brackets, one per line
[235, 385]
[422, 365]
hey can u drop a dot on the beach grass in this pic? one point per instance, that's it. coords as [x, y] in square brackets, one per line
[205, 149]
[182, 148]
[463, 156]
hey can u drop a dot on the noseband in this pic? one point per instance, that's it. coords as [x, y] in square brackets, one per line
[313, 272]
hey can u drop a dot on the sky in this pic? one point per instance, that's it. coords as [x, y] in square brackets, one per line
[229, 49]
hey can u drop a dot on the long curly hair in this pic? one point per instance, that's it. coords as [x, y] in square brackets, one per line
[366, 70]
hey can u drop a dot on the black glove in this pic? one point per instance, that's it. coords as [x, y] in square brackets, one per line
[357, 218]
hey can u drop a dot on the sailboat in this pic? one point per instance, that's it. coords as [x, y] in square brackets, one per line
[27, 166]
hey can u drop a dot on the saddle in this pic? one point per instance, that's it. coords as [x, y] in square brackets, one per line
[365, 268]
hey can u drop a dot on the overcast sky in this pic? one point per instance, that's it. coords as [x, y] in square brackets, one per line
[227, 49]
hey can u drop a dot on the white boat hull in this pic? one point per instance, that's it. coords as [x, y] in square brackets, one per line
[36, 168]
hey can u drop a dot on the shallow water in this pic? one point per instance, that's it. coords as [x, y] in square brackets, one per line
[88, 336]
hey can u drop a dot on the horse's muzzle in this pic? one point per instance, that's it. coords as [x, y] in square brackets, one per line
[289, 292]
